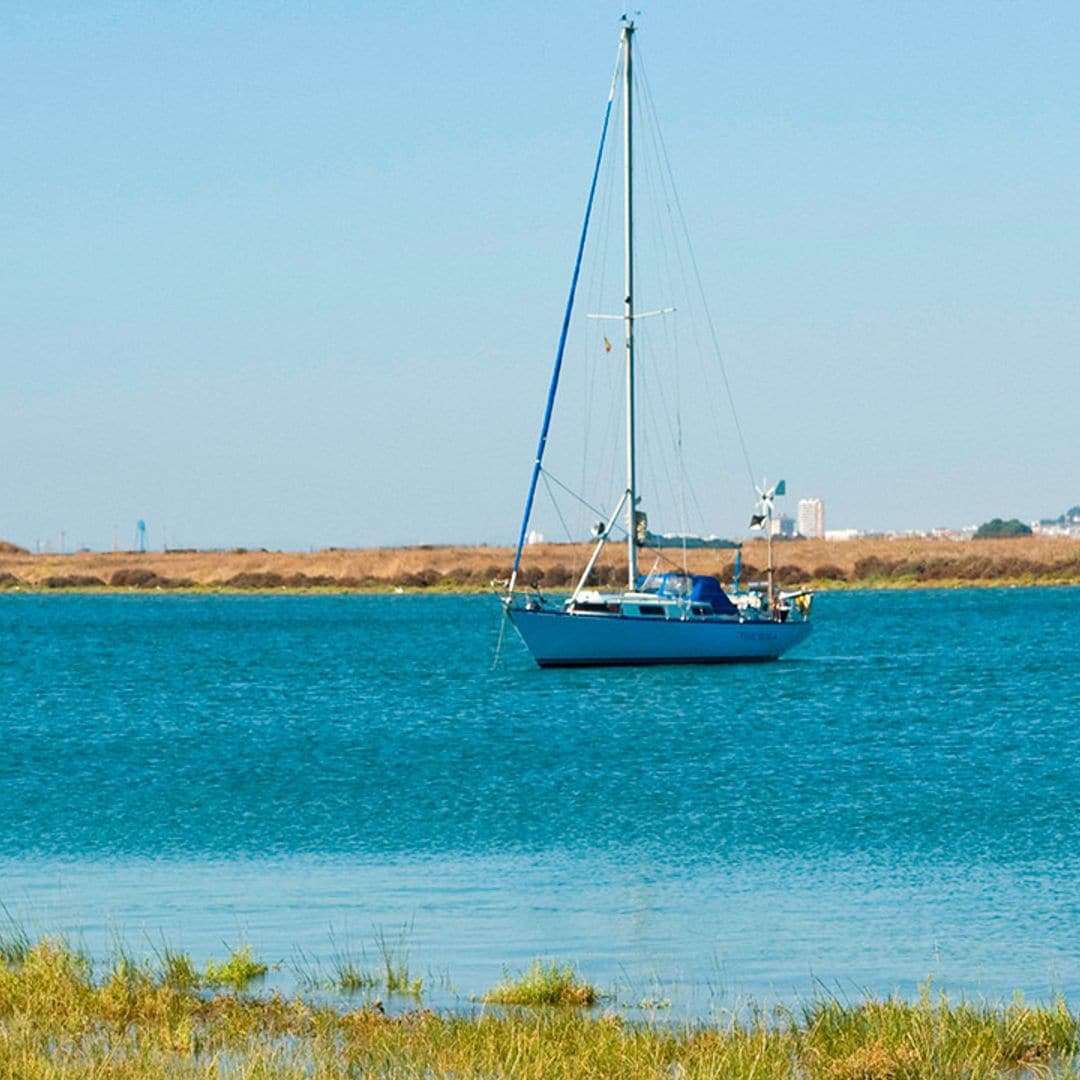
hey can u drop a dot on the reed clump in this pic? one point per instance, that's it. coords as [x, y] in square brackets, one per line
[239, 971]
[352, 974]
[350, 977]
[544, 983]
[395, 963]
[178, 971]
[142, 1020]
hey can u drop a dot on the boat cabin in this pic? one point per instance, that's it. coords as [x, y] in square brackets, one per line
[659, 596]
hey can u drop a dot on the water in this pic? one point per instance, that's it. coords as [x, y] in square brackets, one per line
[895, 801]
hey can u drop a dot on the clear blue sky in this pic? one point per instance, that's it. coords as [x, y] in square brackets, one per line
[291, 274]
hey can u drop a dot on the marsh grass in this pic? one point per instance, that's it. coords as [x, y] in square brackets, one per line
[58, 1020]
[239, 971]
[544, 983]
[350, 974]
[934, 1037]
[179, 971]
[395, 964]
[14, 940]
[350, 978]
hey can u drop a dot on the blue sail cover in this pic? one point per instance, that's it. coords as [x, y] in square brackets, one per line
[703, 589]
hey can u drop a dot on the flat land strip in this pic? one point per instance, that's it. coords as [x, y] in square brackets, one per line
[874, 562]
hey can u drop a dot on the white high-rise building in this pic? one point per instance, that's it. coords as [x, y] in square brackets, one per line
[811, 519]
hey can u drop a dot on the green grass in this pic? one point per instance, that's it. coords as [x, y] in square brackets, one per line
[134, 1020]
[14, 940]
[395, 963]
[178, 971]
[350, 974]
[238, 972]
[351, 978]
[543, 983]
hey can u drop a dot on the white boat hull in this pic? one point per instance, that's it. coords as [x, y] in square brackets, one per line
[561, 639]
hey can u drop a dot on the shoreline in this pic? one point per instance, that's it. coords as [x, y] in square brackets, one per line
[462, 591]
[62, 1014]
[866, 563]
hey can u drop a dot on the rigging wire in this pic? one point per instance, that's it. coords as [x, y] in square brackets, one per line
[670, 328]
[617, 528]
[666, 242]
[596, 512]
[658, 393]
[574, 546]
[671, 235]
[595, 292]
[546, 425]
[673, 338]
[665, 158]
[499, 641]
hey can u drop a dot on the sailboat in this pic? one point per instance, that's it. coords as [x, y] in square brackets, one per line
[671, 617]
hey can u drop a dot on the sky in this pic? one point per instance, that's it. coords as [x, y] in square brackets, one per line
[291, 275]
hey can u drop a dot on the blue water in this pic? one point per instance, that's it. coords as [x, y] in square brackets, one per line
[899, 799]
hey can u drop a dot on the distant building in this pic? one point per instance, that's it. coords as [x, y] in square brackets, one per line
[953, 534]
[1040, 528]
[842, 534]
[534, 536]
[811, 520]
[1067, 524]
[783, 527]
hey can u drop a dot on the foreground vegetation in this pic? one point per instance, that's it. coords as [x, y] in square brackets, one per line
[60, 1019]
[544, 984]
[865, 562]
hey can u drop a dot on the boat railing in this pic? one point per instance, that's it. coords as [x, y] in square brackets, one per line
[753, 604]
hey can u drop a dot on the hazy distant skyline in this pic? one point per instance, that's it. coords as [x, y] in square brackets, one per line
[293, 276]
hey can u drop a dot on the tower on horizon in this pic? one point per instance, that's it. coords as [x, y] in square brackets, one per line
[811, 519]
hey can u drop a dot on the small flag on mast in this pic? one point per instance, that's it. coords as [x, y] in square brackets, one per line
[607, 345]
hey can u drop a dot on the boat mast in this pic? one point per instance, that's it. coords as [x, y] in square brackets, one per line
[628, 200]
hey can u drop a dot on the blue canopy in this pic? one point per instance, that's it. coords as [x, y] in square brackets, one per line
[703, 589]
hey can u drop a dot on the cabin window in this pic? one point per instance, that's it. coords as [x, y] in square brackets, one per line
[650, 609]
[602, 608]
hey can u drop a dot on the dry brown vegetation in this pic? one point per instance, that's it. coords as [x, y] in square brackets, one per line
[870, 561]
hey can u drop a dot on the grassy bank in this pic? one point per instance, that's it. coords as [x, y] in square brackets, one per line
[58, 1017]
[862, 563]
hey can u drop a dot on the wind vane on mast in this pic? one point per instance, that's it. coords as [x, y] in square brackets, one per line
[766, 496]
